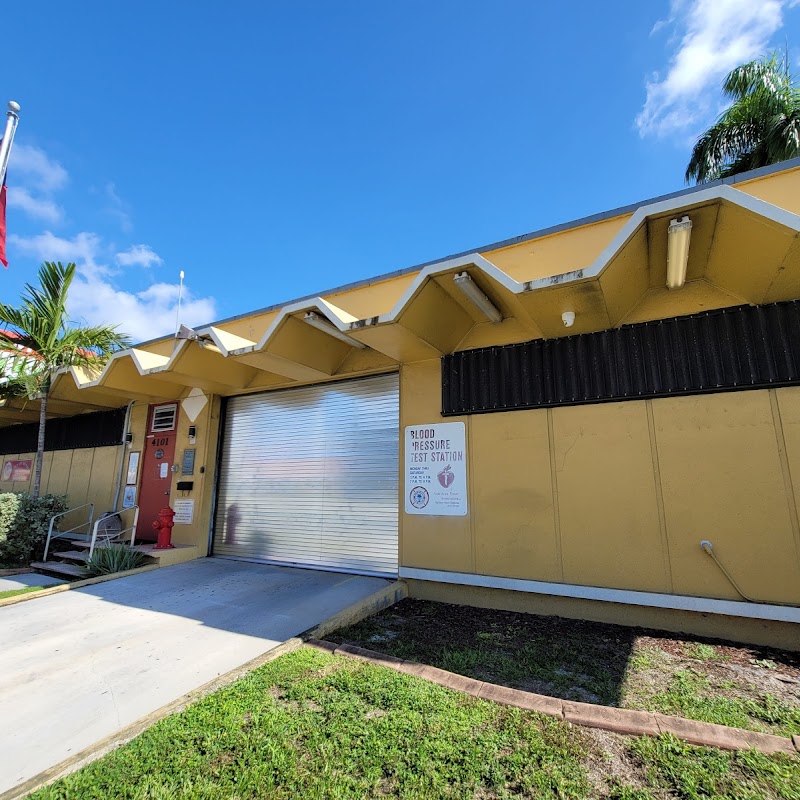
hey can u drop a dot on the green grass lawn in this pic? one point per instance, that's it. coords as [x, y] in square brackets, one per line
[14, 592]
[311, 725]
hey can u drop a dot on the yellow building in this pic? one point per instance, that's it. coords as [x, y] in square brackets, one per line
[552, 423]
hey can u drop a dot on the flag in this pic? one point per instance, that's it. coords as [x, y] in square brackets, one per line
[3, 258]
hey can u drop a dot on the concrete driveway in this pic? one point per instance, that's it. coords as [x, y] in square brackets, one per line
[78, 666]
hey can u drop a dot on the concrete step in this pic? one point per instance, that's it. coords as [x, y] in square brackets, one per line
[72, 555]
[99, 543]
[74, 538]
[60, 569]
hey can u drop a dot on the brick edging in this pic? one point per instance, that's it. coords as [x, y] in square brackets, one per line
[590, 715]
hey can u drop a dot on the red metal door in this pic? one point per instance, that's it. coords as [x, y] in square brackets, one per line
[157, 460]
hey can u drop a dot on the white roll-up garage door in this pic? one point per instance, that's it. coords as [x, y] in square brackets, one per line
[309, 477]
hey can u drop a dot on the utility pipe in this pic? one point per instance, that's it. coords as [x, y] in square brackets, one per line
[124, 447]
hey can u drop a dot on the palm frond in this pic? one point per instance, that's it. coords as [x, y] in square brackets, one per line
[768, 75]
[761, 126]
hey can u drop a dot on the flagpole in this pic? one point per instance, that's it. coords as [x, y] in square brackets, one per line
[8, 137]
[178, 311]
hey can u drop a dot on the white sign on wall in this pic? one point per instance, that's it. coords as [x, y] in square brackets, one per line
[436, 469]
[184, 511]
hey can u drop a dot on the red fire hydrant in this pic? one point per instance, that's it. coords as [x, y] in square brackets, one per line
[164, 523]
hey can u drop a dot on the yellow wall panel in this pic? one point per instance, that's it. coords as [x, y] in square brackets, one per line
[576, 248]
[137, 425]
[374, 299]
[430, 542]
[59, 472]
[722, 480]
[251, 327]
[512, 495]
[780, 189]
[207, 428]
[80, 472]
[103, 479]
[47, 465]
[788, 402]
[610, 532]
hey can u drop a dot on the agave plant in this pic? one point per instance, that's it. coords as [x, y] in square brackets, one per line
[114, 558]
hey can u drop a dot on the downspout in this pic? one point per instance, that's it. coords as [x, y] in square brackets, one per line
[123, 448]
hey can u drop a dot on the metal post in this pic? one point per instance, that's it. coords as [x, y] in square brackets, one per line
[8, 137]
[49, 536]
[178, 310]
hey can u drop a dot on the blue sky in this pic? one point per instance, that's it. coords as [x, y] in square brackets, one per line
[278, 149]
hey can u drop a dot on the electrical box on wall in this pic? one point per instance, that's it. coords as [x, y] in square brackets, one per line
[185, 486]
[187, 465]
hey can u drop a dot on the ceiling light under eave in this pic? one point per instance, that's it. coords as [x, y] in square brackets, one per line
[679, 234]
[322, 324]
[478, 298]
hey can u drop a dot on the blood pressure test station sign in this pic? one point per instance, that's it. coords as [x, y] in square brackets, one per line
[436, 469]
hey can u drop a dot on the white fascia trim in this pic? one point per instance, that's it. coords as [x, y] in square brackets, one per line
[335, 315]
[707, 605]
[472, 260]
[346, 322]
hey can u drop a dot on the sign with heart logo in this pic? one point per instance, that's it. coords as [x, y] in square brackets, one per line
[436, 469]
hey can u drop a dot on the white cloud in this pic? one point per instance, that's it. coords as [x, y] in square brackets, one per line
[84, 249]
[38, 207]
[95, 297]
[139, 255]
[39, 171]
[712, 37]
[142, 315]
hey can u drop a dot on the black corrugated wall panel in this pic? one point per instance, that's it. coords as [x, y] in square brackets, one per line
[745, 347]
[97, 429]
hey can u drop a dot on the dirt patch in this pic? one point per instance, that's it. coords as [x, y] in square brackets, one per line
[699, 678]
[610, 765]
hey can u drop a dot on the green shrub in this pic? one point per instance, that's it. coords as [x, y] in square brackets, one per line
[9, 505]
[27, 531]
[114, 558]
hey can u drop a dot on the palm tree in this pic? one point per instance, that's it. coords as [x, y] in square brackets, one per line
[40, 332]
[761, 127]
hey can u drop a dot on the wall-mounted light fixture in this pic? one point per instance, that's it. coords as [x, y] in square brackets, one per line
[128, 438]
[568, 318]
[678, 236]
[192, 434]
[321, 324]
[478, 298]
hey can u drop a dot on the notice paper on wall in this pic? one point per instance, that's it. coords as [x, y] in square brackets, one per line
[184, 512]
[436, 469]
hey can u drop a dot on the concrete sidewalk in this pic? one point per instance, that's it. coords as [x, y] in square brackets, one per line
[78, 666]
[13, 582]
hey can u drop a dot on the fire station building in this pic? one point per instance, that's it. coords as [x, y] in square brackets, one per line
[598, 420]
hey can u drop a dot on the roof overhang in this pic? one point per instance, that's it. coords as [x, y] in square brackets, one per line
[743, 250]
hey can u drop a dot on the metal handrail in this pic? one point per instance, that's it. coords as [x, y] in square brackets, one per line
[87, 524]
[118, 534]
